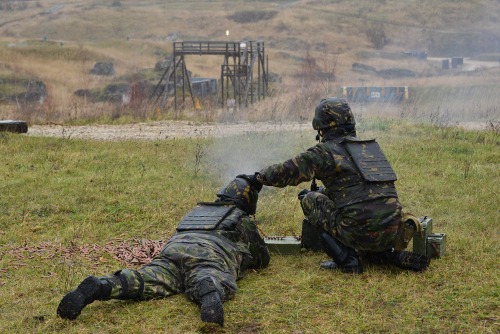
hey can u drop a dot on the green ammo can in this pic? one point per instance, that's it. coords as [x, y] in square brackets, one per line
[436, 245]
[420, 241]
[288, 245]
[430, 244]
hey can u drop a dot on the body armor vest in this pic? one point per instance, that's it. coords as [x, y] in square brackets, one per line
[359, 176]
[369, 159]
[218, 217]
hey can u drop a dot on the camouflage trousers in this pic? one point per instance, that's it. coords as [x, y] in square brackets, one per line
[181, 266]
[367, 226]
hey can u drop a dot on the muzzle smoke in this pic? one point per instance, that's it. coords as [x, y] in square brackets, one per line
[249, 153]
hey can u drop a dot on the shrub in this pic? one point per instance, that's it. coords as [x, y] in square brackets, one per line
[248, 16]
[376, 36]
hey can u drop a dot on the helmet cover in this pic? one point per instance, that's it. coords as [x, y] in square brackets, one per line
[332, 112]
[241, 192]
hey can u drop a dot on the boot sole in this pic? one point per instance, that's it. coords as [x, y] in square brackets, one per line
[414, 262]
[212, 310]
[73, 303]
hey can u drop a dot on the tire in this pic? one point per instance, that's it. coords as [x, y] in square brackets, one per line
[14, 126]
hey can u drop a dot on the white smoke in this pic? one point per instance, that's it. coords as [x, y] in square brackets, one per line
[249, 153]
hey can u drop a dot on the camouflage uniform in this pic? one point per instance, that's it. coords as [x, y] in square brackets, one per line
[362, 215]
[214, 243]
[358, 211]
[191, 256]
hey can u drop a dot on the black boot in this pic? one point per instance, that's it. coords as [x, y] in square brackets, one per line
[310, 237]
[211, 302]
[345, 257]
[408, 260]
[88, 291]
[329, 265]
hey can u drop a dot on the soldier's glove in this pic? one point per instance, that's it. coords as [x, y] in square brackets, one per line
[303, 193]
[253, 180]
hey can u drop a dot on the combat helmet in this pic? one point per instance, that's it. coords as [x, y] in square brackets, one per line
[242, 193]
[333, 112]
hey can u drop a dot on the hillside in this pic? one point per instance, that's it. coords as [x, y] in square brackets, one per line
[58, 43]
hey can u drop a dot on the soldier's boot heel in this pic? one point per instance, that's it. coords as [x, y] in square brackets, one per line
[88, 291]
[328, 265]
[344, 257]
[410, 261]
[212, 310]
[352, 264]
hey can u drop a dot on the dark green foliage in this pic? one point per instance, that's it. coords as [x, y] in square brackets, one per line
[249, 16]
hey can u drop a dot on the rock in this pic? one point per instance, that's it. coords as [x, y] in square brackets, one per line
[103, 68]
[162, 65]
[396, 73]
[364, 68]
[28, 90]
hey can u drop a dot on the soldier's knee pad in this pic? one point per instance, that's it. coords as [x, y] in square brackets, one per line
[131, 282]
[308, 202]
[311, 236]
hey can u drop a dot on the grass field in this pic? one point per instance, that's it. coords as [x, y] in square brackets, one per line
[61, 196]
[68, 205]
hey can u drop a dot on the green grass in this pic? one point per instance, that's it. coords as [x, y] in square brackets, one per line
[445, 103]
[47, 50]
[63, 192]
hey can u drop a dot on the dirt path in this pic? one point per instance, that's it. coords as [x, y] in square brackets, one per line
[160, 130]
[178, 129]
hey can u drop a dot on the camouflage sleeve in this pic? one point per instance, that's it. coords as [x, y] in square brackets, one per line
[292, 172]
[255, 243]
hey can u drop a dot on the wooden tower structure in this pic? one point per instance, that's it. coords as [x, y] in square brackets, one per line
[243, 76]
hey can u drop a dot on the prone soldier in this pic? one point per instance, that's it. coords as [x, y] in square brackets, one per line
[213, 245]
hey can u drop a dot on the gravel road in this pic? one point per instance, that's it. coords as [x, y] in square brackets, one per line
[178, 129]
[160, 130]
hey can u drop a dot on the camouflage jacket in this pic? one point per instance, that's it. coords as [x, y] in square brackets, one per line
[330, 163]
[236, 233]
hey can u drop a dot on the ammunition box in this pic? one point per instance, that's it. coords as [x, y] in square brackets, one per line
[436, 245]
[432, 245]
[283, 245]
[420, 240]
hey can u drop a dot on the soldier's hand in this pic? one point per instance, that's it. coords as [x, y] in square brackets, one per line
[253, 180]
[303, 193]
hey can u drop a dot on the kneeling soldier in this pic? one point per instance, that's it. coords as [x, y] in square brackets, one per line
[358, 210]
